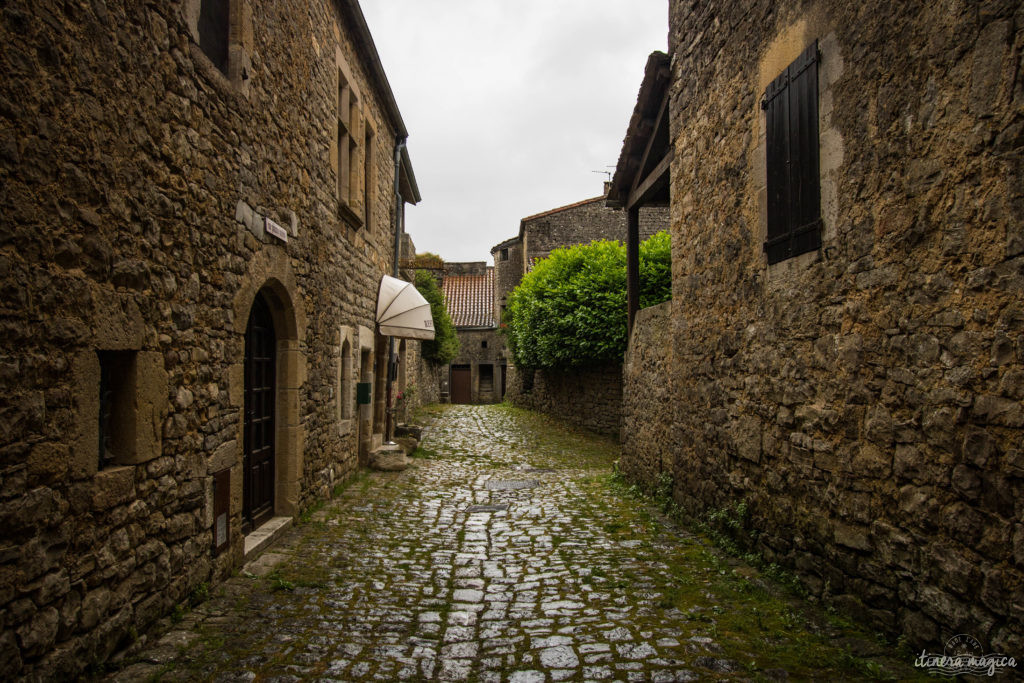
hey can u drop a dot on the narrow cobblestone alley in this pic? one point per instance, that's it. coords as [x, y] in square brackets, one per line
[505, 553]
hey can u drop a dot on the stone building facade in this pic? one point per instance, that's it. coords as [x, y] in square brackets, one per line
[591, 397]
[862, 388]
[477, 373]
[199, 203]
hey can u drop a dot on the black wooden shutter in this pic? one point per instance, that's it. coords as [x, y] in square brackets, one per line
[791, 121]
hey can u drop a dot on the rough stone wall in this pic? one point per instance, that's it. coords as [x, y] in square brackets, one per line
[648, 401]
[507, 274]
[465, 268]
[864, 400]
[588, 397]
[134, 177]
[429, 380]
[583, 224]
[419, 380]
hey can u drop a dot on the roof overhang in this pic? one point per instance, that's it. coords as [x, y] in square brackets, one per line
[351, 10]
[642, 173]
[407, 180]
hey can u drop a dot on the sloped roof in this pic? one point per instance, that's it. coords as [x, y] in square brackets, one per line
[470, 299]
[522, 222]
[549, 212]
[642, 127]
[364, 42]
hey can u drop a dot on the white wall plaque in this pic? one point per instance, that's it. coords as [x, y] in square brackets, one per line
[274, 229]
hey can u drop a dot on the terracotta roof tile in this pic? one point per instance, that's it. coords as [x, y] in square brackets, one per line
[470, 299]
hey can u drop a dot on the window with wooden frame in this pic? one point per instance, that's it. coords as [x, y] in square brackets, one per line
[791, 141]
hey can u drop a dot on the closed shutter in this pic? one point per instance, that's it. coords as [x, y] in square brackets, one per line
[791, 128]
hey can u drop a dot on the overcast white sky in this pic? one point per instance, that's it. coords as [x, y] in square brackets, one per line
[510, 105]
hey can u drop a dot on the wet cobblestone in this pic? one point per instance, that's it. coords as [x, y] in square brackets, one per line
[502, 556]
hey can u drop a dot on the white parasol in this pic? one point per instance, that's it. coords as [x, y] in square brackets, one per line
[402, 311]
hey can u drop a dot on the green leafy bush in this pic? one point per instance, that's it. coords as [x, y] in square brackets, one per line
[445, 344]
[570, 310]
[655, 270]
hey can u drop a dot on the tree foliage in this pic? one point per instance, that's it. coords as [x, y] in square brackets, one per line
[445, 344]
[570, 310]
[655, 270]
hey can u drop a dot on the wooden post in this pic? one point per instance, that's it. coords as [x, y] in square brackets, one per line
[632, 265]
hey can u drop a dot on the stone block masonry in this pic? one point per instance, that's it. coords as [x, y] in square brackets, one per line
[648, 401]
[136, 175]
[590, 397]
[865, 398]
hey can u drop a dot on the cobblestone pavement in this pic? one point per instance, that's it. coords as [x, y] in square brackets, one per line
[506, 554]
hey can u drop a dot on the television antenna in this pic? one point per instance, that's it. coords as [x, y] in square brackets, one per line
[607, 174]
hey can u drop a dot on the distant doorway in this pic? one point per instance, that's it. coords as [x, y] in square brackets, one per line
[461, 384]
[259, 426]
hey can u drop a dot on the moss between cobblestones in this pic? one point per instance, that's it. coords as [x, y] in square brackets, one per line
[370, 594]
[766, 623]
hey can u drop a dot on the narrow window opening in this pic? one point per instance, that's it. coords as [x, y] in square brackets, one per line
[483, 344]
[504, 254]
[345, 361]
[214, 31]
[353, 150]
[117, 407]
[344, 146]
[368, 176]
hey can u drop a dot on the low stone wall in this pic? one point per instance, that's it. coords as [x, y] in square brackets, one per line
[588, 397]
[647, 398]
[428, 384]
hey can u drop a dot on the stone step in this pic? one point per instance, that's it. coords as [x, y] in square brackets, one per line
[262, 538]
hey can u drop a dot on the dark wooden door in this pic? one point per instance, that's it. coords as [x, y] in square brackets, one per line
[461, 391]
[260, 398]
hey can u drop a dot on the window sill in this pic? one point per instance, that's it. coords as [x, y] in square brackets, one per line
[348, 216]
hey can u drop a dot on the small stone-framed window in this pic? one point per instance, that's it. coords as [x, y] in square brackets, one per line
[791, 160]
[483, 344]
[121, 396]
[344, 402]
[214, 31]
[221, 33]
[117, 407]
[504, 254]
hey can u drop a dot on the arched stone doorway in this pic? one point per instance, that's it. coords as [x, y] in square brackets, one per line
[270, 373]
[259, 417]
